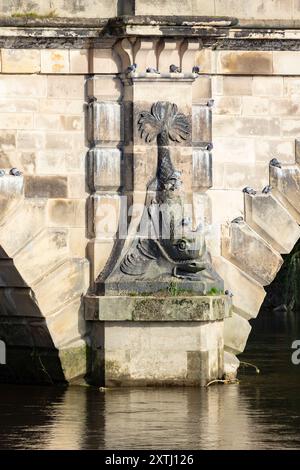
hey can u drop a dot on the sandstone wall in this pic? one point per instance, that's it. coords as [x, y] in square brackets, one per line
[42, 133]
[242, 9]
[256, 117]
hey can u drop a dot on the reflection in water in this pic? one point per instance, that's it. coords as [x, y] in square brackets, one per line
[262, 412]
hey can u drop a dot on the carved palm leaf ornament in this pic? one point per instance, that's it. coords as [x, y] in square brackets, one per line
[163, 119]
[164, 123]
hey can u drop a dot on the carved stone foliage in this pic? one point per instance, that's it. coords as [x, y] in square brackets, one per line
[163, 121]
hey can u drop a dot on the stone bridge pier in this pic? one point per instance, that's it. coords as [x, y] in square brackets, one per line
[102, 111]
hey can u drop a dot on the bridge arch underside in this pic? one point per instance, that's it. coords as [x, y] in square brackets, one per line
[260, 253]
[31, 356]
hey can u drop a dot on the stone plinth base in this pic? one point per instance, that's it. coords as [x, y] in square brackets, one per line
[148, 340]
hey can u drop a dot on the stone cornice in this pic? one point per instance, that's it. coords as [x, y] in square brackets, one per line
[215, 32]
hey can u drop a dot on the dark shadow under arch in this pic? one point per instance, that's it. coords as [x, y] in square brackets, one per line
[31, 356]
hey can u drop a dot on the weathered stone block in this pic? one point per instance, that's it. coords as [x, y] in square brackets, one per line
[268, 9]
[286, 186]
[202, 124]
[236, 176]
[103, 216]
[105, 87]
[85, 9]
[30, 139]
[190, 7]
[46, 186]
[7, 140]
[98, 252]
[253, 106]
[231, 365]
[24, 161]
[245, 62]
[58, 122]
[11, 191]
[55, 61]
[246, 249]
[77, 186]
[265, 149]
[205, 60]
[237, 86]
[67, 324]
[228, 105]
[248, 294]
[291, 127]
[236, 332]
[78, 240]
[157, 308]
[104, 169]
[79, 61]
[42, 254]
[23, 85]
[21, 60]
[27, 222]
[50, 162]
[16, 121]
[65, 86]
[64, 140]
[272, 221]
[226, 205]
[104, 122]
[66, 212]
[268, 86]
[62, 285]
[201, 90]
[105, 61]
[286, 62]
[245, 126]
[202, 169]
[137, 353]
[291, 86]
[285, 107]
[18, 105]
[231, 149]
[60, 106]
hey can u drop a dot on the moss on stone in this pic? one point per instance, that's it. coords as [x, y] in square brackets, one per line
[33, 15]
[73, 361]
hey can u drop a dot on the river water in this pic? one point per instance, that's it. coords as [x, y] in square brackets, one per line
[261, 412]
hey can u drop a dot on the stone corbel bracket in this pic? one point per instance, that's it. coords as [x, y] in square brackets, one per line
[158, 55]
